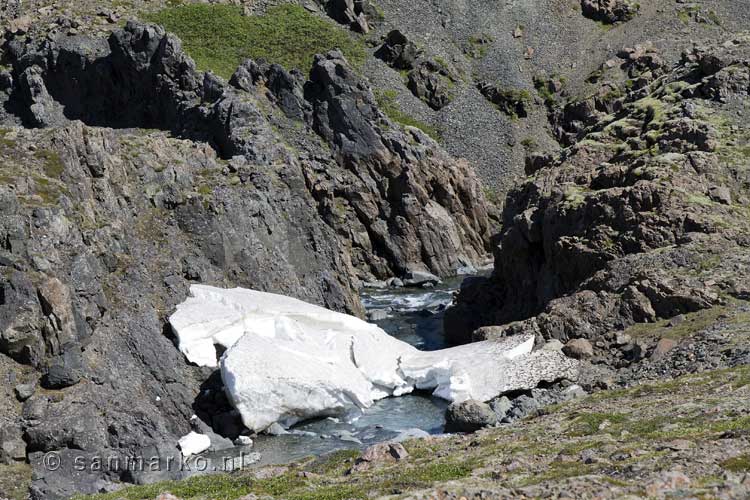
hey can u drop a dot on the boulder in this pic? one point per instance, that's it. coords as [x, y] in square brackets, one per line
[397, 51]
[64, 370]
[579, 349]
[12, 446]
[419, 278]
[432, 83]
[24, 391]
[663, 347]
[469, 416]
[379, 453]
[609, 11]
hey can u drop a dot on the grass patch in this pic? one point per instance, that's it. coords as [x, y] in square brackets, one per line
[740, 463]
[693, 322]
[219, 37]
[15, 481]
[586, 424]
[53, 164]
[387, 104]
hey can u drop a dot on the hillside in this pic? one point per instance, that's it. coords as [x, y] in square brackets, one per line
[595, 154]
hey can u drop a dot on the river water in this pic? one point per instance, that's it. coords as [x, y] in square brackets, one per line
[412, 315]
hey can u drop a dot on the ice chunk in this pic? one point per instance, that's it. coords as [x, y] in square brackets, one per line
[194, 443]
[288, 361]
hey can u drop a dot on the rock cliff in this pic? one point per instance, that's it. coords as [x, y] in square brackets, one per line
[127, 175]
[642, 217]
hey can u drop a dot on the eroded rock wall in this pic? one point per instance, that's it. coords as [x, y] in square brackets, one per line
[127, 175]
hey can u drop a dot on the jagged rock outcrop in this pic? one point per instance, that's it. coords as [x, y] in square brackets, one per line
[104, 225]
[641, 218]
[610, 11]
[429, 79]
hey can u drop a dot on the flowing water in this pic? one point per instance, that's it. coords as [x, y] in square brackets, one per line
[412, 315]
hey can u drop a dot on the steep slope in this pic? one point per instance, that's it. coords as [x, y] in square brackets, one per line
[643, 217]
[132, 175]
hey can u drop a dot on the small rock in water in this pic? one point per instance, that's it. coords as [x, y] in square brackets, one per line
[420, 278]
[194, 443]
[243, 441]
[276, 430]
[395, 283]
[377, 315]
[410, 434]
[378, 285]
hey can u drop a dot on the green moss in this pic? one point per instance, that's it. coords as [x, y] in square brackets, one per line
[5, 143]
[209, 486]
[574, 196]
[512, 102]
[15, 481]
[219, 37]
[714, 17]
[204, 190]
[386, 100]
[558, 471]
[53, 165]
[586, 424]
[478, 45]
[740, 463]
[693, 322]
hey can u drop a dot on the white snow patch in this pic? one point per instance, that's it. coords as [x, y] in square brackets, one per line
[194, 443]
[288, 361]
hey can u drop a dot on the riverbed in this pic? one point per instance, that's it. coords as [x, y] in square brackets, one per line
[411, 315]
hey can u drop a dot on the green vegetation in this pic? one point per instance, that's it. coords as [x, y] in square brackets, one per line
[544, 87]
[713, 17]
[640, 424]
[53, 165]
[530, 144]
[219, 37]
[587, 424]
[693, 322]
[292, 486]
[387, 103]
[15, 481]
[478, 45]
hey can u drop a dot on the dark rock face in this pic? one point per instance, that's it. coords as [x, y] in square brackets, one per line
[398, 189]
[427, 78]
[609, 11]
[273, 183]
[512, 102]
[398, 51]
[353, 14]
[469, 416]
[620, 228]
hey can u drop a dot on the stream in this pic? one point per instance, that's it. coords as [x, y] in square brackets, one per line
[412, 315]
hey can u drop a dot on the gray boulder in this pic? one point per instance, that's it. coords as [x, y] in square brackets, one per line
[398, 51]
[420, 278]
[12, 445]
[469, 416]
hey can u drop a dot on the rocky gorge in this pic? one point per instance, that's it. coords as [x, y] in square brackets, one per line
[610, 191]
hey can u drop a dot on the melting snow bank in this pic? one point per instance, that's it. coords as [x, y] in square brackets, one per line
[288, 361]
